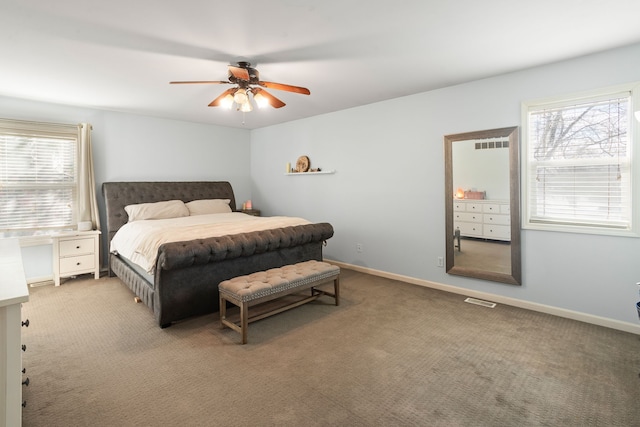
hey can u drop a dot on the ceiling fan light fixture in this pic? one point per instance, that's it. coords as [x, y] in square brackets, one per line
[245, 107]
[261, 100]
[240, 97]
[227, 102]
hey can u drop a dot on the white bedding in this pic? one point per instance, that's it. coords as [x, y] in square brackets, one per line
[139, 241]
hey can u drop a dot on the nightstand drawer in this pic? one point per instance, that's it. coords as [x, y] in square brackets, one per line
[77, 264]
[76, 247]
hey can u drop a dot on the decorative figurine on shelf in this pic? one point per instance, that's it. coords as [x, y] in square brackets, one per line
[303, 164]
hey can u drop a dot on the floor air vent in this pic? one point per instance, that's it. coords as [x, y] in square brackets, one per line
[480, 302]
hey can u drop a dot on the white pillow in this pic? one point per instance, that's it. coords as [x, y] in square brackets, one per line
[209, 206]
[157, 210]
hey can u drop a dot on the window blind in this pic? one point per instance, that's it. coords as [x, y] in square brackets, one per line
[38, 177]
[579, 163]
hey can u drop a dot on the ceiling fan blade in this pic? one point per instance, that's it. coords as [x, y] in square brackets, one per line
[239, 73]
[216, 102]
[288, 88]
[206, 82]
[273, 101]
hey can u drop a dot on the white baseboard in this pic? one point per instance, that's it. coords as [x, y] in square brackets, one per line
[40, 281]
[548, 309]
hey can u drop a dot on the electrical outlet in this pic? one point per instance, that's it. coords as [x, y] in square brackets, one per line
[440, 261]
[359, 247]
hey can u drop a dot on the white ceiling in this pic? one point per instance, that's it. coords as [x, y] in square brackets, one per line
[120, 55]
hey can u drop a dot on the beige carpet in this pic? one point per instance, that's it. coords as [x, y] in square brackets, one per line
[484, 255]
[392, 354]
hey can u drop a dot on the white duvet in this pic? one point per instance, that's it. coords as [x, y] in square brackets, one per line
[139, 241]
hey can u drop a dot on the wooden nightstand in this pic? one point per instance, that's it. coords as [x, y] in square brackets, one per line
[254, 212]
[74, 253]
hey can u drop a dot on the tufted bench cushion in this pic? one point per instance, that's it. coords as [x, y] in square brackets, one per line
[256, 288]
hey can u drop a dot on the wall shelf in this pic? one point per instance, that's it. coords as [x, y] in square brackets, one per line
[327, 172]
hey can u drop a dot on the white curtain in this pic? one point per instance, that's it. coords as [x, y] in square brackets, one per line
[87, 201]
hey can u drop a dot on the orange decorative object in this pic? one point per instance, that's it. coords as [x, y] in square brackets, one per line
[476, 195]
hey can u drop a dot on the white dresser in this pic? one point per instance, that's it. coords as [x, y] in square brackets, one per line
[76, 253]
[13, 292]
[484, 219]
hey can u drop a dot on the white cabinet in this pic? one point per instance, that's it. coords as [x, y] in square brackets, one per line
[485, 219]
[76, 253]
[13, 292]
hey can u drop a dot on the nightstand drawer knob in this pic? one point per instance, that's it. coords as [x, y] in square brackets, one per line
[24, 347]
[26, 323]
[26, 382]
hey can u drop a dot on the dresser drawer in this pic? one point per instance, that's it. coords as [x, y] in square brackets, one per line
[459, 206]
[76, 247]
[496, 219]
[77, 264]
[474, 207]
[497, 232]
[467, 217]
[491, 208]
[469, 229]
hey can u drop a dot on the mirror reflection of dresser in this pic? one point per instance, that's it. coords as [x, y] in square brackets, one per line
[484, 219]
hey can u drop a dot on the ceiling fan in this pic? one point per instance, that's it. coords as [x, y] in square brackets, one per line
[247, 81]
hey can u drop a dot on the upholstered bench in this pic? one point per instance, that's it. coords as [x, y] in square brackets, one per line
[263, 286]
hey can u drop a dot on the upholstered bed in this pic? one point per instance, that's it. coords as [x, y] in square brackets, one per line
[183, 282]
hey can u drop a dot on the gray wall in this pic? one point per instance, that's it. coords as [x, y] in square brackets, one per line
[388, 191]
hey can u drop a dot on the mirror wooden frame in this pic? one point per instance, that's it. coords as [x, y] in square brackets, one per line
[515, 277]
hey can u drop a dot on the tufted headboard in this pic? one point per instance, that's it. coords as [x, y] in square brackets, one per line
[117, 195]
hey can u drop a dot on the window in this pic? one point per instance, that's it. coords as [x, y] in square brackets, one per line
[38, 177]
[578, 171]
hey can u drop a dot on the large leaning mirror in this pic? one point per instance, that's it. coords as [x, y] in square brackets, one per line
[482, 203]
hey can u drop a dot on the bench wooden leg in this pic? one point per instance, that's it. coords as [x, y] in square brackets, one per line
[241, 328]
[244, 321]
[223, 310]
[336, 291]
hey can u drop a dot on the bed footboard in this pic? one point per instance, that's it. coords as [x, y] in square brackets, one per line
[188, 273]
